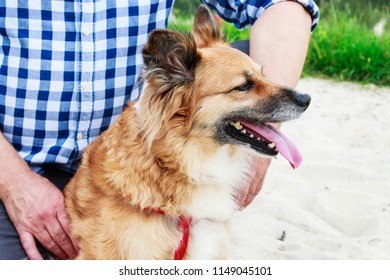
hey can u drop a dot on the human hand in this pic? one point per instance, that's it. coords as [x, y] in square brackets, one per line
[247, 193]
[36, 208]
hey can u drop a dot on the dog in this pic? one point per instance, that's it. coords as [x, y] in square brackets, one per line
[161, 182]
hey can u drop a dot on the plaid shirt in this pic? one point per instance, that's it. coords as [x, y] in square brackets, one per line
[69, 67]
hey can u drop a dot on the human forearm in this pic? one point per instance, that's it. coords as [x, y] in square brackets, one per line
[11, 164]
[279, 42]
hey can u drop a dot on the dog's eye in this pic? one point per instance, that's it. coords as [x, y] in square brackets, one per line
[244, 87]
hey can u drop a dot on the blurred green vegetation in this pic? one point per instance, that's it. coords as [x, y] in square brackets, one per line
[185, 8]
[344, 45]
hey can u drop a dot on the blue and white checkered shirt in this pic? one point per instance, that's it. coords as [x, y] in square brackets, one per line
[69, 67]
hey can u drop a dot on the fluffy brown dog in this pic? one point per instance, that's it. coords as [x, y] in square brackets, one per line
[160, 183]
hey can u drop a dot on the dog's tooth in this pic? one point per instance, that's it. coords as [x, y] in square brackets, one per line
[251, 135]
[271, 145]
[258, 138]
[236, 125]
[243, 131]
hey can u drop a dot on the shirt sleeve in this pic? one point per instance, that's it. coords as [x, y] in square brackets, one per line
[245, 12]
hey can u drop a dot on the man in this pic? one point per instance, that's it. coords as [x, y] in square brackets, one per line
[68, 68]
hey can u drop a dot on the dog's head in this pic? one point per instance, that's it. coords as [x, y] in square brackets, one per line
[198, 86]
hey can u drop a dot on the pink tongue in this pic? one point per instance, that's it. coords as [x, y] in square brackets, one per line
[284, 145]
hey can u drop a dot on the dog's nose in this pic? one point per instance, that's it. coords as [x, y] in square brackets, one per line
[302, 100]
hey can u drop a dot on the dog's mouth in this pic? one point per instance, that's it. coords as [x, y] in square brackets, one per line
[265, 139]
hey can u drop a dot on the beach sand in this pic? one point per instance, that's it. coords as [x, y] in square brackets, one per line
[336, 205]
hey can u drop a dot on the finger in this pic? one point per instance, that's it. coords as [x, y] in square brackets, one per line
[62, 240]
[64, 221]
[256, 184]
[243, 194]
[240, 196]
[259, 170]
[252, 193]
[47, 241]
[29, 245]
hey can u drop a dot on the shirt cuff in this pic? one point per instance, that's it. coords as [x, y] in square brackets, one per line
[245, 12]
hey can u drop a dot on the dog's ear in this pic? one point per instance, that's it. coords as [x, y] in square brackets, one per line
[172, 52]
[206, 29]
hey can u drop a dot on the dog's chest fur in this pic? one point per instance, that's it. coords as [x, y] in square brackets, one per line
[217, 178]
[214, 201]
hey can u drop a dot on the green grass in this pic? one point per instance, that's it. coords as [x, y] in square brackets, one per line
[342, 47]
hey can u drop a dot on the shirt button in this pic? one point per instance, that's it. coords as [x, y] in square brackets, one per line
[84, 85]
[79, 136]
[86, 31]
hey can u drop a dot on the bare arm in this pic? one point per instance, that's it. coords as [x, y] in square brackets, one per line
[34, 205]
[278, 42]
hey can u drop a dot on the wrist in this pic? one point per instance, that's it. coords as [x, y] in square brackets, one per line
[9, 181]
[13, 166]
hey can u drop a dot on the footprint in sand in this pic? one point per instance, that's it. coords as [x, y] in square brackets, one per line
[353, 214]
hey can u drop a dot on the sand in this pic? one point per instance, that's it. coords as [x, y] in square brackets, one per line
[336, 205]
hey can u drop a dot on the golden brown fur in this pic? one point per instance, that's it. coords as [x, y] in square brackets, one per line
[150, 157]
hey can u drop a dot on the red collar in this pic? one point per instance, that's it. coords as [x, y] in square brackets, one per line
[184, 227]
